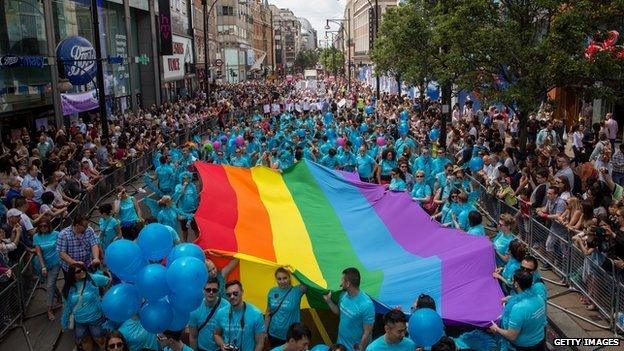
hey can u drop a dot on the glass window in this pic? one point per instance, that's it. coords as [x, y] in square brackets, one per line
[22, 28]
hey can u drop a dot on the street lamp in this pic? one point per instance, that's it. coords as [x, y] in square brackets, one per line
[207, 72]
[340, 22]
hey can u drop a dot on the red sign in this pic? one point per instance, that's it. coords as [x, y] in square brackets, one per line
[218, 62]
[173, 64]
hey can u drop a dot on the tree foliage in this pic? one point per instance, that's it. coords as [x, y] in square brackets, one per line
[306, 58]
[332, 59]
[511, 51]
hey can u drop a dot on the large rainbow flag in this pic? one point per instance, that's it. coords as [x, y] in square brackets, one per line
[319, 221]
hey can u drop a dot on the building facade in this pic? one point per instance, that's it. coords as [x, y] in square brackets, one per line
[362, 26]
[309, 37]
[287, 39]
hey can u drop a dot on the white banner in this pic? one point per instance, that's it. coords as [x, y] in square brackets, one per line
[173, 65]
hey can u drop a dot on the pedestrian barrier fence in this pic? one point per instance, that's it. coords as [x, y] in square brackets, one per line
[553, 244]
[16, 292]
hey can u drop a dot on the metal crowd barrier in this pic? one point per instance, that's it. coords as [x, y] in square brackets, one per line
[578, 272]
[17, 292]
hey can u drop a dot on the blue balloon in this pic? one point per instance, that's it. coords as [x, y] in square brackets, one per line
[186, 250]
[425, 327]
[301, 133]
[476, 164]
[121, 302]
[404, 115]
[187, 275]
[155, 241]
[179, 321]
[186, 301]
[156, 316]
[320, 347]
[369, 110]
[224, 138]
[124, 258]
[364, 127]
[152, 282]
[330, 133]
[434, 134]
[403, 129]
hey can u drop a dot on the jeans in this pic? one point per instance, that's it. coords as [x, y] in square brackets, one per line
[94, 328]
[51, 289]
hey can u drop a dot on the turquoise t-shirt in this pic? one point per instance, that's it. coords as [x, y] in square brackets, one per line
[229, 321]
[380, 344]
[355, 312]
[165, 174]
[47, 243]
[510, 269]
[87, 309]
[421, 190]
[279, 348]
[184, 348]
[137, 337]
[501, 245]
[330, 161]
[288, 313]
[365, 166]
[108, 230]
[387, 166]
[205, 337]
[397, 184]
[127, 212]
[528, 316]
[477, 230]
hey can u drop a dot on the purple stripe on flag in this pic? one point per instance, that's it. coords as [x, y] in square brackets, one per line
[469, 293]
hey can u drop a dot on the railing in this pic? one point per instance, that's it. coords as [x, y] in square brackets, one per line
[17, 292]
[576, 271]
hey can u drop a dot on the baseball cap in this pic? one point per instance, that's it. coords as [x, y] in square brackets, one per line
[14, 212]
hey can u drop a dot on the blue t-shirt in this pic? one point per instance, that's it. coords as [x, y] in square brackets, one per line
[229, 321]
[365, 166]
[165, 175]
[477, 230]
[510, 269]
[184, 348]
[108, 230]
[501, 245]
[528, 316]
[205, 337]
[137, 337]
[380, 344]
[288, 313]
[127, 212]
[355, 312]
[47, 243]
[397, 184]
[387, 166]
[421, 190]
[88, 308]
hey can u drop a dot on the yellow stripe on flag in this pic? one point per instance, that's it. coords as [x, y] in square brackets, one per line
[291, 241]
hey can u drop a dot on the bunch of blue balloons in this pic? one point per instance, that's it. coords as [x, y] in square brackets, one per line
[369, 110]
[425, 327]
[404, 115]
[162, 295]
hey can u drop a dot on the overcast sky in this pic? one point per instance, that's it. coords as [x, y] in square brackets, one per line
[315, 11]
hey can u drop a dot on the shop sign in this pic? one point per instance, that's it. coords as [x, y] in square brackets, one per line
[174, 67]
[8, 61]
[78, 58]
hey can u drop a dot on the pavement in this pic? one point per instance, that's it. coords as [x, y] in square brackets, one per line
[46, 335]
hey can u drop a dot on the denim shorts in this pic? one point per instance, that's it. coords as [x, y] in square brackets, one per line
[94, 328]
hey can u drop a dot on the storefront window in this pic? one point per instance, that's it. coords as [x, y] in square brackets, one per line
[22, 34]
[118, 77]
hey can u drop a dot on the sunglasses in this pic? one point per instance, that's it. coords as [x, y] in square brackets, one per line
[232, 294]
[420, 176]
[118, 345]
[211, 290]
[78, 271]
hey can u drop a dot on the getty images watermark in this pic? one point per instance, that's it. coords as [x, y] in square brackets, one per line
[587, 342]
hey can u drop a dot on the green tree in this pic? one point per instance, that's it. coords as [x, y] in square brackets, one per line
[332, 59]
[405, 46]
[306, 58]
[516, 51]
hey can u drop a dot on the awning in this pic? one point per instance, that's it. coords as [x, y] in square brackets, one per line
[258, 63]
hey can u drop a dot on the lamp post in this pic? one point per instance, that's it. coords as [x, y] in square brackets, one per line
[100, 69]
[207, 72]
[340, 22]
